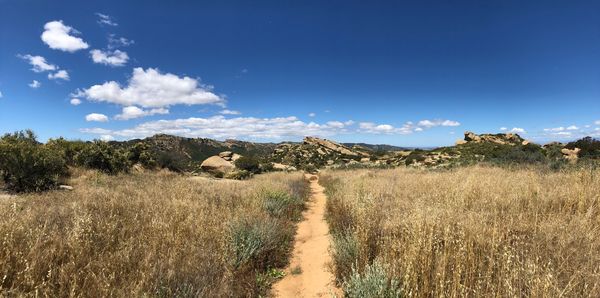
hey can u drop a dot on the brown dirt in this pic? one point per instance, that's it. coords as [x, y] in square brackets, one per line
[311, 253]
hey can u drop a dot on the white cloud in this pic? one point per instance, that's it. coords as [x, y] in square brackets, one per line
[105, 20]
[39, 63]
[433, 123]
[115, 42]
[96, 117]
[61, 74]
[59, 37]
[503, 128]
[561, 128]
[106, 138]
[336, 124]
[418, 129]
[518, 130]
[115, 58]
[1, 95]
[370, 127]
[597, 122]
[219, 127]
[229, 112]
[311, 114]
[35, 84]
[132, 112]
[75, 101]
[150, 88]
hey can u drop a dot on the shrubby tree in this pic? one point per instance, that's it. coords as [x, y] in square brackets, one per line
[104, 157]
[27, 165]
[248, 163]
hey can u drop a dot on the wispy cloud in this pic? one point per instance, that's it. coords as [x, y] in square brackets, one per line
[35, 84]
[107, 20]
[229, 112]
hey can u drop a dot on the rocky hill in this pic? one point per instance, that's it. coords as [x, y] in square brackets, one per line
[315, 152]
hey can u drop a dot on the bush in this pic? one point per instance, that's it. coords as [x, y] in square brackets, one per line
[104, 157]
[374, 283]
[141, 153]
[345, 254]
[26, 165]
[258, 243]
[283, 205]
[69, 149]
[248, 163]
[171, 161]
[236, 175]
[589, 146]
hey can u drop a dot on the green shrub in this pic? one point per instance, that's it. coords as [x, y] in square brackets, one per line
[345, 254]
[236, 175]
[69, 149]
[283, 205]
[104, 157]
[373, 283]
[258, 243]
[172, 161]
[415, 156]
[141, 153]
[248, 163]
[26, 165]
[589, 146]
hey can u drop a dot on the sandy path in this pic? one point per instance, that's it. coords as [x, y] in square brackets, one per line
[310, 253]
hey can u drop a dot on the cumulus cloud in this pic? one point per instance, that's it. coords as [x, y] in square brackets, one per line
[311, 114]
[406, 128]
[229, 112]
[561, 128]
[219, 127]
[106, 138]
[133, 112]
[75, 101]
[39, 63]
[58, 36]
[114, 58]
[104, 19]
[518, 130]
[151, 88]
[35, 84]
[370, 127]
[96, 117]
[61, 74]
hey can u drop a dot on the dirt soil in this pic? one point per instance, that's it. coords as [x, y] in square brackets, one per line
[308, 274]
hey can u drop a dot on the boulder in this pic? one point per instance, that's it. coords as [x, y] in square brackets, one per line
[65, 187]
[282, 167]
[216, 164]
[365, 159]
[226, 154]
[571, 154]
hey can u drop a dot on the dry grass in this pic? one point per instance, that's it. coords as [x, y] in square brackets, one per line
[477, 232]
[153, 234]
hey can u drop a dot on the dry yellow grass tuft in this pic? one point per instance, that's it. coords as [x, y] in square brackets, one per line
[478, 231]
[156, 234]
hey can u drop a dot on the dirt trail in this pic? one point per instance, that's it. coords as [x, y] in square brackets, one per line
[310, 255]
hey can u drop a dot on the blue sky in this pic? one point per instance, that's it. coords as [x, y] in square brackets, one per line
[412, 73]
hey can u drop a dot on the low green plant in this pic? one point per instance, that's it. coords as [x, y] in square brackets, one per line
[102, 156]
[26, 165]
[248, 163]
[345, 254]
[373, 283]
[281, 204]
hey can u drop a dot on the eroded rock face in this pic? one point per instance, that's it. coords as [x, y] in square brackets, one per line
[333, 146]
[572, 155]
[502, 139]
[282, 167]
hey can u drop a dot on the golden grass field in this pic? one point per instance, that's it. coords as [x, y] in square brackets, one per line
[469, 232]
[152, 234]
